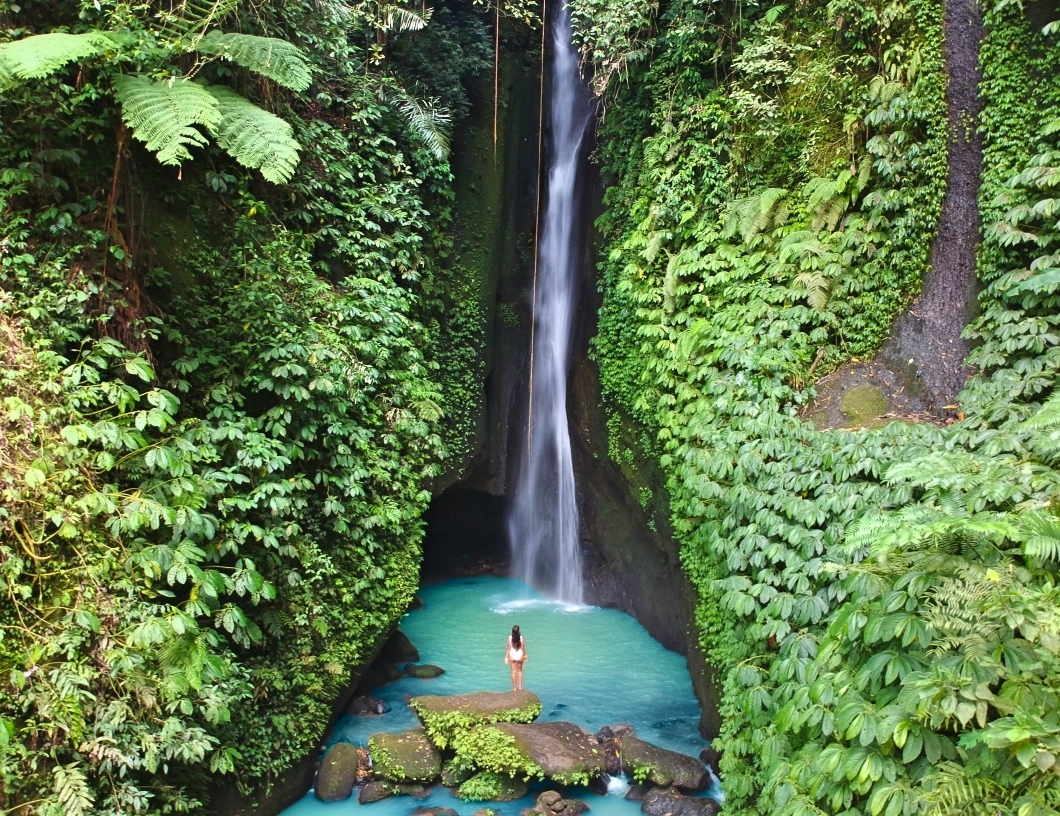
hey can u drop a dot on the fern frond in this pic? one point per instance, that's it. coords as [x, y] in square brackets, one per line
[254, 137]
[428, 121]
[38, 56]
[191, 16]
[279, 60]
[816, 287]
[163, 114]
[71, 790]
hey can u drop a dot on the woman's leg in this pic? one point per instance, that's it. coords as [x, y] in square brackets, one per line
[515, 665]
[519, 676]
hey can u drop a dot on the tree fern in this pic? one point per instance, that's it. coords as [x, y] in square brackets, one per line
[428, 121]
[279, 60]
[163, 115]
[43, 54]
[254, 137]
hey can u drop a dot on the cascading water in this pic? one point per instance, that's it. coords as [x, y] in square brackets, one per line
[544, 520]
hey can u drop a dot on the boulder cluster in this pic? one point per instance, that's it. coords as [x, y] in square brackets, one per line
[487, 746]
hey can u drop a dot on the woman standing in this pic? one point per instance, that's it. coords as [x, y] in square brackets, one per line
[515, 656]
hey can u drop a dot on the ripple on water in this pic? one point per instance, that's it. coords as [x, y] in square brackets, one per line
[590, 666]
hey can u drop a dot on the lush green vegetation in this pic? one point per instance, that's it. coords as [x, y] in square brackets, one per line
[221, 397]
[880, 606]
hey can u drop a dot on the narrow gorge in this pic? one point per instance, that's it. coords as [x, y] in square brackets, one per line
[714, 345]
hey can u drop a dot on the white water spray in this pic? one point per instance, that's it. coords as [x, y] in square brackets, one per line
[544, 520]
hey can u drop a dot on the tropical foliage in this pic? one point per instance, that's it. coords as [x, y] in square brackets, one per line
[221, 399]
[879, 606]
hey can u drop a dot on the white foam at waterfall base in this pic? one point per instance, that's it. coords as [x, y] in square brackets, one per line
[543, 526]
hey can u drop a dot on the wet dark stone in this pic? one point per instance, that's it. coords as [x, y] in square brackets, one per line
[399, 649]
[671, 802]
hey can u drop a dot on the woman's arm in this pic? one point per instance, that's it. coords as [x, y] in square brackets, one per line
[507, 648]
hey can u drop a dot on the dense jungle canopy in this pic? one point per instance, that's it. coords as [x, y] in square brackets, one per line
[238, 347]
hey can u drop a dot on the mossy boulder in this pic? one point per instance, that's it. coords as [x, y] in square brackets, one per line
[446, 717]
[493, 787]
[863, 404]
[424, 672]
[644, 761]
[337, 774]
[378, 789]
[405, 757]
[560, 751]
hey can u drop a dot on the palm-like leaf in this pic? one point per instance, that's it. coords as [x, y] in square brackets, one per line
[254, 137]
[428, 121]
[163, 115]
[279, 60]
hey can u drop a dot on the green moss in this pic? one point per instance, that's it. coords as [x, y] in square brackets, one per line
[447, 717]
[491, 749]
[405, 757]
[489, 786]
[863, 404]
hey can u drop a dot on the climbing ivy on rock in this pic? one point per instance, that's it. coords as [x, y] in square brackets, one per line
[221, 405]
[879, 606]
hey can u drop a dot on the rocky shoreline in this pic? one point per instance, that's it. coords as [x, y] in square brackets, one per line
[486, 746]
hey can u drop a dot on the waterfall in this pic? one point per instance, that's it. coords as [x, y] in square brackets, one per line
[544, 520]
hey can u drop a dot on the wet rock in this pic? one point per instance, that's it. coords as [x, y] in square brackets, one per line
[663, 768]
[365, 705]
[399, 649]
[599, 785]
[434, 811]
[338, 773]
[547, 800]
[712, 759]
[424, 672]
[636, 793]
[376, 790]
[671, 802]
[612, 749]
[405, 757]
[485, 812]
[417, 603]
[445, 717]
[561, 750]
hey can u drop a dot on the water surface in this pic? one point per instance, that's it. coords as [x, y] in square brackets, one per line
[588, 665]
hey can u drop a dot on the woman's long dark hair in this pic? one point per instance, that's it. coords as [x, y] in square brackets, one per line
[517, 639]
